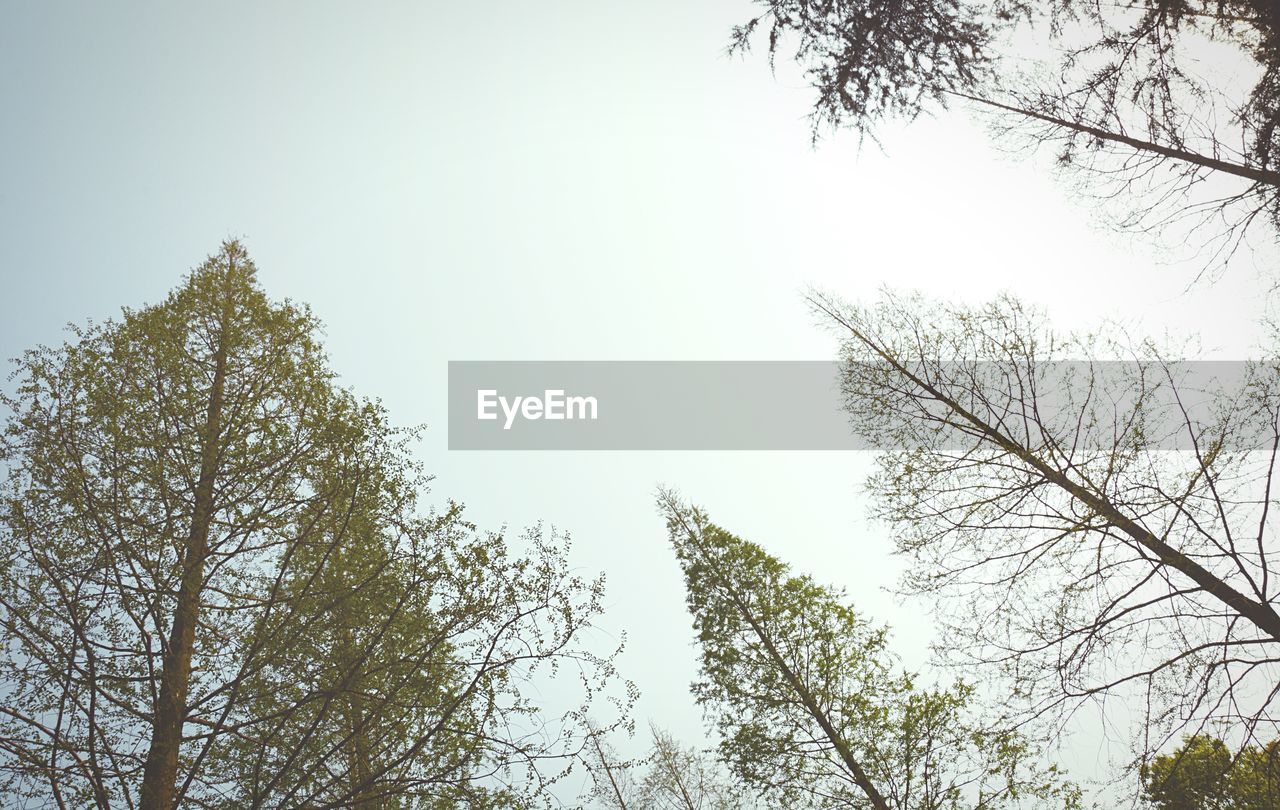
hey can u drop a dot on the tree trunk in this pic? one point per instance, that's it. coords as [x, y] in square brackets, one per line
[161, 769]
[359, 763]
[860, 776]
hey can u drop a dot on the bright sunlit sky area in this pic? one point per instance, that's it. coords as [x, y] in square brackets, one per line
[550, 181]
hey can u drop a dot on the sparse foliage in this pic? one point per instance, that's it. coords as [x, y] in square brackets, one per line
[671, 776]
[1094, 530]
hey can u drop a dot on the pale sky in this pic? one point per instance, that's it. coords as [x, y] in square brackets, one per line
[551, 181]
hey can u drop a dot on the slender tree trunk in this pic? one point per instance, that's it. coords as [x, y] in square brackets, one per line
[608, 771]
[668, 759]
[359, 763]
[362, 793]
[811, 705]
[1258, 175]
[161, 770]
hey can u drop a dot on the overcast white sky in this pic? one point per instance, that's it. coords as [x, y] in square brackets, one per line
[559, 180]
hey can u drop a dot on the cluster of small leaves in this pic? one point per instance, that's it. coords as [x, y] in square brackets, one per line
[875, 59]
[1204, 774]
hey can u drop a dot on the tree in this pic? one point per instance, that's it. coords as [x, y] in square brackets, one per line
[681, 778]
[1090, 528]
[671, 776]
[211, 559]
[1202, 774]
[1119, 88]
[402, 680]
[810, 704]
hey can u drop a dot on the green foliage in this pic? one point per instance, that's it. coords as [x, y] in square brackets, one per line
[347, 650]
[810, 704]
[1203, 774]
